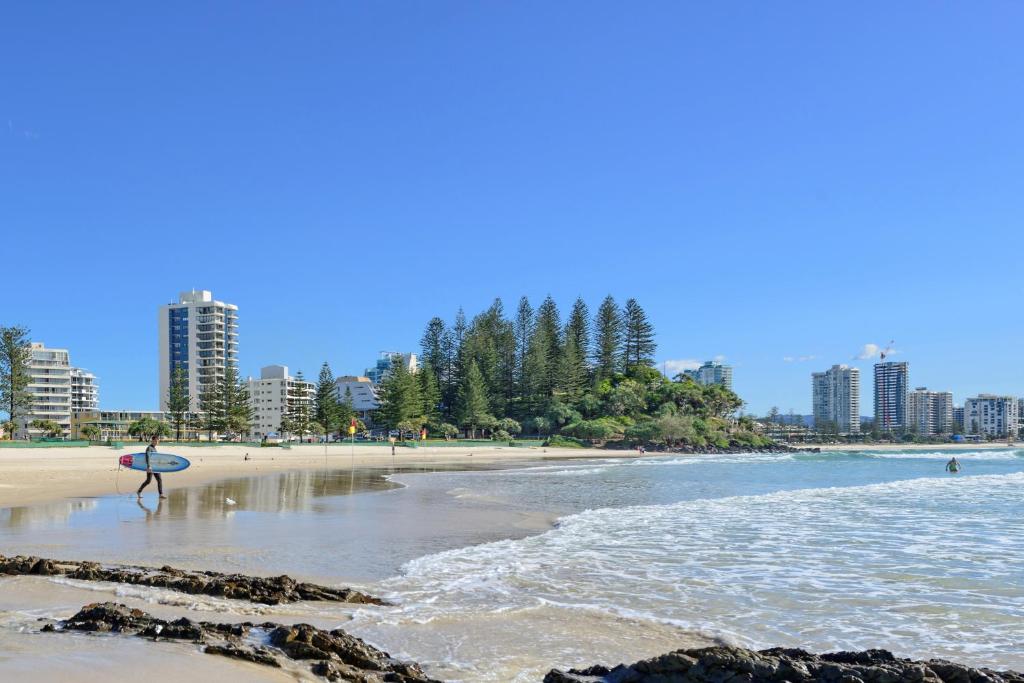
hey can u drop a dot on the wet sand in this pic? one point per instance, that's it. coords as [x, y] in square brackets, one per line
[280, 521]
[37, 475]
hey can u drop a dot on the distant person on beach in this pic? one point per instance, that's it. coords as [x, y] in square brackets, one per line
[150, 450]
[953, 465]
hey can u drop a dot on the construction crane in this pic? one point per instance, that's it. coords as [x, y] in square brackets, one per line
[887, 351]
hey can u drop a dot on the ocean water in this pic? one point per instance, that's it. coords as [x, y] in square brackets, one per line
[822, 551]
[830, 551]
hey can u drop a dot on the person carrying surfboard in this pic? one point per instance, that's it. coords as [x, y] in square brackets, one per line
[150, 474]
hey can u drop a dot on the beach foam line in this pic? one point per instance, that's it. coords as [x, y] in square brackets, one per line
[842, 567]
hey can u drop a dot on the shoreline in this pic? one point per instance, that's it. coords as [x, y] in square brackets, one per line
[227, 462]
[45, 475]
[847, 447]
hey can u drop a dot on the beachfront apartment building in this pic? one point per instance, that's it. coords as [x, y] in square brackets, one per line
[85, 391]
[362, 392]
[49, 390]
[891, 382]
[836, 399]
[929, 413]
[377, 373]
[277, 394]
[199, 335]
[711, 372]
[992, 416]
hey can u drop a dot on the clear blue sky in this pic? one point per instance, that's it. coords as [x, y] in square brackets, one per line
[769, 180]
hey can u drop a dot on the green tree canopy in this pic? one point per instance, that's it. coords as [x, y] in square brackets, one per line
[179, 403]
[325, 402]
[15, 355]
[473, 408]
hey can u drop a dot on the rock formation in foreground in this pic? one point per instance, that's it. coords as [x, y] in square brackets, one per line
[332, 655]
[267, 590]
[779, 665]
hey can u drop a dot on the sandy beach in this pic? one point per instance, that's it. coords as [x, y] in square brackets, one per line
[38, 475]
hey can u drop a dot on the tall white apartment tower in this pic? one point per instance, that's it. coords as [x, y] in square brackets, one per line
[836, 397]
[891, 380]
[198, 335]
[929, 412]
[49, 389]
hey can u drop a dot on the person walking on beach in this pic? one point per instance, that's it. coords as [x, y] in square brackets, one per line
[953, 465]
[150, 450]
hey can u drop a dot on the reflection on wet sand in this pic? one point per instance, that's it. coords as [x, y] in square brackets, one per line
[286, 492]
[46, 514]
[289, 491]
[302, 523]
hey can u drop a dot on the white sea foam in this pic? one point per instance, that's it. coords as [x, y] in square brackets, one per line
[926, 567]
[1008, 454]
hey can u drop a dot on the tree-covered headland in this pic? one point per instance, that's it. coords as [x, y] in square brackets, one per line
[585, 379]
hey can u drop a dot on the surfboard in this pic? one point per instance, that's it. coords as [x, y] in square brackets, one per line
[160, 462]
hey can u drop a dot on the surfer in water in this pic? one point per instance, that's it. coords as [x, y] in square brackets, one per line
[150, 474]
[953, 466]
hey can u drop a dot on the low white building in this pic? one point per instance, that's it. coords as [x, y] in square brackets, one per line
[991, 415]
[49, 389]
[363, 393]
[710, 373]
[112, 425]
[274, 395]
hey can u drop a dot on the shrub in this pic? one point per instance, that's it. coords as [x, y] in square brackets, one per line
[601, 429]
[559, 441]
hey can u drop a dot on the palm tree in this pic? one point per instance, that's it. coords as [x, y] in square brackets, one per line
[90, 432]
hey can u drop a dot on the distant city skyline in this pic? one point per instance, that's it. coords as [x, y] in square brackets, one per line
[868, 354]
[767, 181]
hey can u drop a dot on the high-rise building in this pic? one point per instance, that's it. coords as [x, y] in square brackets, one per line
[200, 336]
[991, 415]
[274, 395]
[85, 391]
[958, 417]
[929, 412]
[711, 372]
[49, 390]
[836, 399]
[386, 360]
[891, 381]
[363, 393]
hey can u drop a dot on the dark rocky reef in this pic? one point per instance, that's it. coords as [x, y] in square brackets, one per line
[332, 655]
[779, 665]
[267, 590]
